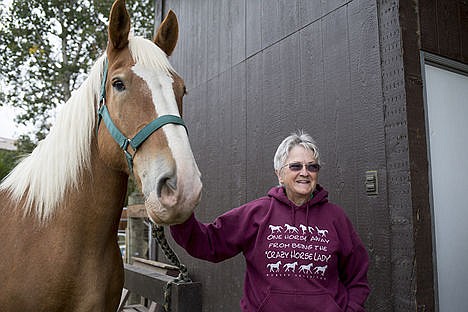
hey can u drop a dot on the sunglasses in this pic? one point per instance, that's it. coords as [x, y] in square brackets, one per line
[297, 166]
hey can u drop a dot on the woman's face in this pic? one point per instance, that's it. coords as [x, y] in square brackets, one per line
[300, 184]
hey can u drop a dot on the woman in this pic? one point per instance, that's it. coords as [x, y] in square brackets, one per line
[302, 252]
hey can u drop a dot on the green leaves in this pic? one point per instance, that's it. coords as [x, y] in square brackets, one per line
[7, 162]
[47, 48]
[9, 159]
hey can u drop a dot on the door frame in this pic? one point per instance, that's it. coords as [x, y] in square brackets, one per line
[441, 62]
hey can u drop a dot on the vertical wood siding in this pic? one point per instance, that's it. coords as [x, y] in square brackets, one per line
[257, 70]
[444, 28]
[398, 164]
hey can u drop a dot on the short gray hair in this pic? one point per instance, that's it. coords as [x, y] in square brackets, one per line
[299, 138]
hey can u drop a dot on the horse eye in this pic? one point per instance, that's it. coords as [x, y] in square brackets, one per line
[118, 85]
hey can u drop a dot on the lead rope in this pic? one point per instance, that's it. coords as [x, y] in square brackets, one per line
[158, 235]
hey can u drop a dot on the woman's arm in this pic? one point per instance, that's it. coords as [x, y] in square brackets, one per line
[353, 273]
[216, 241]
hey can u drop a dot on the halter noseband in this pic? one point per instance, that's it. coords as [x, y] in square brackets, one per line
[141, 136]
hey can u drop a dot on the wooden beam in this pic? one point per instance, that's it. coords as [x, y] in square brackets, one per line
[123, 300]
[136, 211]
[185, 297]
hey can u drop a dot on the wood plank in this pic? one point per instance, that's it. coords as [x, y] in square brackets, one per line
[135, 308]
[123, 300]
[137, 211]
[290, 87]
[289, 17]
[312, 113]
[185, 297]
[337, 97]
[211, 145]
[239, 171]
[309, 11]
[429, 31]
[213, 38]
[224, 36]
[195, 108]
[366, 100]
[185, 41]
[157, 266]
[254, 123]
[419, 226]
[198, 57]
[154, 307]
[397, 158]
[463, 9]
[370, 213]
[449, 32]
[237, 17]
[146, 283]
[272, 120]
[329, 6]
[222, 132]
[270, 29]
[253, 27]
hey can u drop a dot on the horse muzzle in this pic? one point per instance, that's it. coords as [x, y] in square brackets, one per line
[174, 198]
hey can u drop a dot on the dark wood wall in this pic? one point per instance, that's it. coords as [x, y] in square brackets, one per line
[398, 164]
[257, 70]
[441, 28]
[444, 28]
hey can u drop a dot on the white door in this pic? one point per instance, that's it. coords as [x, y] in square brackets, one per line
[447, 117]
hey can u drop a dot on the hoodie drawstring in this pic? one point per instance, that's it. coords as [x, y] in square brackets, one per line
[293, 213]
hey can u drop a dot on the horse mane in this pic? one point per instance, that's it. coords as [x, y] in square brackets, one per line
[43, 177]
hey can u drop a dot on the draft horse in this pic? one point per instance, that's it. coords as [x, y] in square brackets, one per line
[60, 207]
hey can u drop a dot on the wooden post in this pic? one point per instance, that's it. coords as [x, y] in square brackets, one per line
[137, 241]
[137, 244]
[185, 297]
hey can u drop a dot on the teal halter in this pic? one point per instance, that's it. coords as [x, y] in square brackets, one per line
[141, 136]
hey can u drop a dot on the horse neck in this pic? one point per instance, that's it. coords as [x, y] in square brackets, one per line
[102, 194]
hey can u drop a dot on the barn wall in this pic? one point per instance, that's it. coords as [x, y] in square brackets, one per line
[439, 27]
[257, 70]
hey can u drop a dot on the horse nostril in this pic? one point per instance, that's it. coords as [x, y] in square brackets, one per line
[166, 184]
[172, 183]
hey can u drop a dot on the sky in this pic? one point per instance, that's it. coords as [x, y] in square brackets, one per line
[8, 128]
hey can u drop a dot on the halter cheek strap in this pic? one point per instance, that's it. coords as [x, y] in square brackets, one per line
[141, 136]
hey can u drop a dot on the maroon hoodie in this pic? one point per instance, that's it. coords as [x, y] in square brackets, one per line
[306, 258]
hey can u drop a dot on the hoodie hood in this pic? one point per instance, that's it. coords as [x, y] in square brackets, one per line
[320, 196]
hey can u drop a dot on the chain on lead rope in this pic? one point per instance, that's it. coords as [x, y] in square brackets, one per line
[158, 235]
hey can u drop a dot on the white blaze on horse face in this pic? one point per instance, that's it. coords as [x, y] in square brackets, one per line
[188, 188]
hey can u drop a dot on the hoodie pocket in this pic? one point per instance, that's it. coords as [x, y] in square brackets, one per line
[298, 301]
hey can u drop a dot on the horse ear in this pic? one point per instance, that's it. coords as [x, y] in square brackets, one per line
[119, 25]
[168, 33]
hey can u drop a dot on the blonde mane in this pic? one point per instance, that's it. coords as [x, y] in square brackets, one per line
[42, 178]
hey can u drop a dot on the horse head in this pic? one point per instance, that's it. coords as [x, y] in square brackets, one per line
[140, 88]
